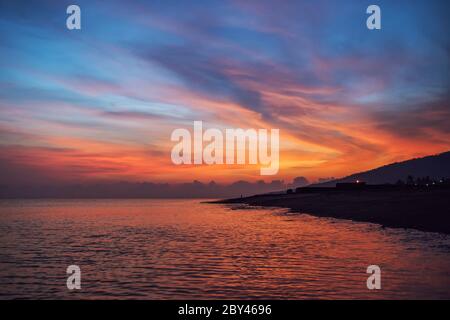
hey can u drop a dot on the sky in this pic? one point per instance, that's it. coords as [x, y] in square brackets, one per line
[100, 103]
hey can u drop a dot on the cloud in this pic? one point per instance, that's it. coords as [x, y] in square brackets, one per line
[205, 73]
[419, 121]
[344, 98]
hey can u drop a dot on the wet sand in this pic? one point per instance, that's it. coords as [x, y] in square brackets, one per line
[426, 210]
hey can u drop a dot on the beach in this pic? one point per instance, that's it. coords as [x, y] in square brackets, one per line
[426, 210]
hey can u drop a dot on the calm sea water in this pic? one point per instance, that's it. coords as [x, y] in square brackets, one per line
[180, 249]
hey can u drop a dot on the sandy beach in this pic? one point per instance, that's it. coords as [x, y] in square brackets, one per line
[426, 210]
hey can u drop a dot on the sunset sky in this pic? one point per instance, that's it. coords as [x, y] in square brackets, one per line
[100, 103]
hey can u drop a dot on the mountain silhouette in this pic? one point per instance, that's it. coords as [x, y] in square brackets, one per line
[435, 167]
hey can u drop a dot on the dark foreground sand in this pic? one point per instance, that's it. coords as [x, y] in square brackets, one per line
[427, 210]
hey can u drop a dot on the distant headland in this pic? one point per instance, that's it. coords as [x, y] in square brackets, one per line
[418, 202]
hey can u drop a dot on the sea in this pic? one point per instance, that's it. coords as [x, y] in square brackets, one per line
[190, 249]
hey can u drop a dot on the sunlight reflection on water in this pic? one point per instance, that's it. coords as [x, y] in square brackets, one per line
[184, 249]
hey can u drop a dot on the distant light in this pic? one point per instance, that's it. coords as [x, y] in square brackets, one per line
[357, 181]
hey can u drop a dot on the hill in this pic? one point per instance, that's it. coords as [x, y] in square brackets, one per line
[436, 167]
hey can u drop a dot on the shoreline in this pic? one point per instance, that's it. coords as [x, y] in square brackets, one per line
[424, 210]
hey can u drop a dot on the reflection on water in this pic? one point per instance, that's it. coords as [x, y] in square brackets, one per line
[179, 249]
